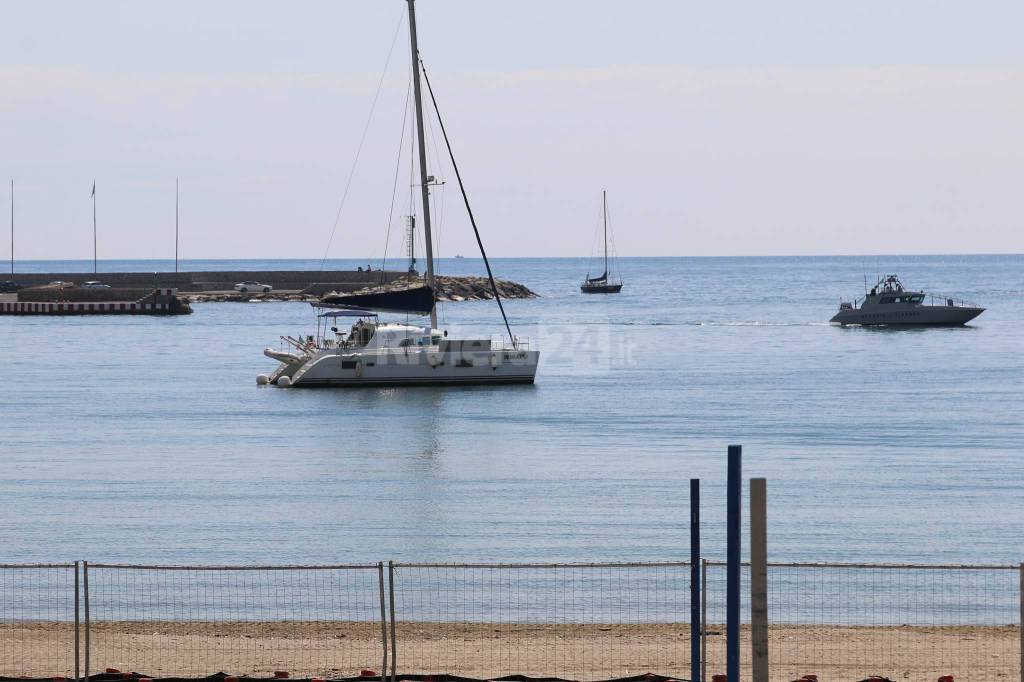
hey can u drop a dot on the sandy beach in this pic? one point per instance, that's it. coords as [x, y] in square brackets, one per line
[492, 649]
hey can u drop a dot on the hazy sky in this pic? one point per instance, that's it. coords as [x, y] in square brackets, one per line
[805, 127]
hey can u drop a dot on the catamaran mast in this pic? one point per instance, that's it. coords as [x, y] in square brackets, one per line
[424, 187]
[604, 204]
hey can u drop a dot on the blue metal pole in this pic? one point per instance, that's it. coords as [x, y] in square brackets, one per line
[696, 627]
[732, 594]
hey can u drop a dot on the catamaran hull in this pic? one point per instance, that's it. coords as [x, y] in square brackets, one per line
[416, 368]
[919, 316]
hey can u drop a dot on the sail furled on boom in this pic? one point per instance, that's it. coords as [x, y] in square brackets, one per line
[600, 278]
[414, 300]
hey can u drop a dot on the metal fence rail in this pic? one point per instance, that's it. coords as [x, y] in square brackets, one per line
[252, 620]
[580, 621]
[575, 621]
[848, 621]
[39, 620]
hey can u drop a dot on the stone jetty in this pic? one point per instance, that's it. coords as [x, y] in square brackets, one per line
[457, 288]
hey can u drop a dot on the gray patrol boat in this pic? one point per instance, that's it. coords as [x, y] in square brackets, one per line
[889, 304]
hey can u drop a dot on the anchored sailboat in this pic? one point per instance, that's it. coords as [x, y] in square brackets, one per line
[601, 284]
[374, 353]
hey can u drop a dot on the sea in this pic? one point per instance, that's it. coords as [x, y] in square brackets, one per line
[147, 439]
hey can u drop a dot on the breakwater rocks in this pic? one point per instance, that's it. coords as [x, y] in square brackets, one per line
[456, 288]
[448, 289]
[478, 289]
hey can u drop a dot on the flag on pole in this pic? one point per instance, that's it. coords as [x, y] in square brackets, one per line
[93, 189]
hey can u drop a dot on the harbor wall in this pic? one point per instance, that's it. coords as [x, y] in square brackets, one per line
[162, 301]
[215, 280]
[78, 294]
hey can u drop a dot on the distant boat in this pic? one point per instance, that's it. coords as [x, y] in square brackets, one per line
[459, 255]
[601, 284]
[889, 304]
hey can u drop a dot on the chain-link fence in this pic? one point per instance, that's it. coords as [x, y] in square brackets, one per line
[39, 624]
[849, 621]
[574, 621]
[254, 620]
[578, 621]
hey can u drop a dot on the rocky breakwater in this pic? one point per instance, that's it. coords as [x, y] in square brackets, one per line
[455, 288]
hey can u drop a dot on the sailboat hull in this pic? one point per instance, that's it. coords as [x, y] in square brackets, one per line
[600, 288]
[417, 367]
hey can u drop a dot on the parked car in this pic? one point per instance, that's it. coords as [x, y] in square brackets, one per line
[9, 287]
[246, 287]
[61, 283]
[95, 285]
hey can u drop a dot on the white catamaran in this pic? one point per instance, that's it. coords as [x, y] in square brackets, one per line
[374, 353]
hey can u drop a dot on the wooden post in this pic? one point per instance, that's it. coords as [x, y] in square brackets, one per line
[759, 579]
[695, 580]
[734, 491]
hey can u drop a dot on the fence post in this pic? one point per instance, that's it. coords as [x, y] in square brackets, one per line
[383, 621]
[704, 619]
[759, 579]
[85, 587]
[732, 581]
[391, 590]
[78, 670]
[696, 628]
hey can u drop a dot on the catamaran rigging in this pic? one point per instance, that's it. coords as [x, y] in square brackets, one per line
[375, 353]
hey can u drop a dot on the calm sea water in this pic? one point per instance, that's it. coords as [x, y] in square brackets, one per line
[147, 439]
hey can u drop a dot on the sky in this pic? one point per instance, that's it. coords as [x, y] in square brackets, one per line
[728, 128]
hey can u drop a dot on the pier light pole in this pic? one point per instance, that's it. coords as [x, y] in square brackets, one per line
[175, 224]
[12, 226]
[95, 266]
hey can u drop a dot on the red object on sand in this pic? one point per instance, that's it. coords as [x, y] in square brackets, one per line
[946, 678]
[280, 674]
[112, 671]
[719, 678]
[369, 673]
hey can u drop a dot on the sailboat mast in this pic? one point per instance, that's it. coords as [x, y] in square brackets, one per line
[12, 227]
[604, 204]
[420, 135]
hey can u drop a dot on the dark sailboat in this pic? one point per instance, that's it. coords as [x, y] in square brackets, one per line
[601, 284]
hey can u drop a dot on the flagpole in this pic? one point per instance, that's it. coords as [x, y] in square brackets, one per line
[95, 267]
[175, 224]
